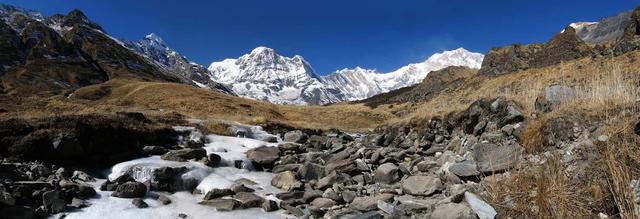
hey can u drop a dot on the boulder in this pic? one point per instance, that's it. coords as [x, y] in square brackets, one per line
[465, 168]
[481, 208]
[7, 199]
[369, 203]
[421, 185]
[387, 173]
[213, 160]
[296, 136]
[496, 158]
[286, 181]
[249, 200]
[54, 201]
[270, 205]
[553, 96]
[163, 199]
[453, 211]
[218, 193]
[222, 204]
[185, 154]
[310, 171]
[130, 190]
[139, 203]
[154, 150]
[170, 179]
[264, 155]
[322, 203]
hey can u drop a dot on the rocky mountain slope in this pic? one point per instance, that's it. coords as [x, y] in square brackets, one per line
[265, 75]
[154, 48]
[60, 53]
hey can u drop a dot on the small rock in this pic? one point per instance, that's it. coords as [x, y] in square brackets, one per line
[213, 160]
[154, 150]
[163, 199]
[270, 205]
[421, 185]
[79, 203]
[82, 176]
[481, 208]
[453, 211]
[321, 203]
[348, 196]
[240, 187]
[139, 203]
[222, 204]
[368, 215]
[130, 190]
[185, 154]
[7, 199]
[218, 193]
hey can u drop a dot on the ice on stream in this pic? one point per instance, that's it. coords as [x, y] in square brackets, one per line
[230, 149]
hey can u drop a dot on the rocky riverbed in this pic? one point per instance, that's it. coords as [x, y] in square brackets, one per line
[436, 168]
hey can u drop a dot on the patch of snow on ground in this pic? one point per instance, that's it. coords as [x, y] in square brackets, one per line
[229, 148]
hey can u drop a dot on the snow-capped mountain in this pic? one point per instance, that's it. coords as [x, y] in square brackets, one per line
[154, 48]
[607, 29]
[360, 83]
[265, 75]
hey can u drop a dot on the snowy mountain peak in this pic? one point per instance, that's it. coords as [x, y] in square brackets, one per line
[154, 38]
[265, 75]
[359, 83]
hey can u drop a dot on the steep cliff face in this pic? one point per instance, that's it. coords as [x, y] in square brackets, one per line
[53, 55]
[564, 46]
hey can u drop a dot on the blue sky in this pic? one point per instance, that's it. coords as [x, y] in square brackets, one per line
[333, 34]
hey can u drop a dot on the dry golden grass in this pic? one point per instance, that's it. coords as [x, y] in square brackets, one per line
[607, 93]
[157, 98]
[542, 191]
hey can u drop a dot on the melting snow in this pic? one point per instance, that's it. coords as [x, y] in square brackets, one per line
[229, 148]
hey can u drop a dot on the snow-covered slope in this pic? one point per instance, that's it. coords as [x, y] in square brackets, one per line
[609, 28]
[154, 48]
[360, 83]
[265, 75]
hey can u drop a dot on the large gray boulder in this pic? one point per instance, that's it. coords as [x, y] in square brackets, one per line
[387, 173]
[222, 204]
[185, 154]
[453, 211]
[264, 155]
[286, 181]
[369, 203]
[465, 168]
[421, 185]
[296, 136]
[311, 171]
[496, 158]
[130, 190]
[249, 200]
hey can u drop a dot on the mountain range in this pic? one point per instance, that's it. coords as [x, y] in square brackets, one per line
[95, 56]
[263, 74]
